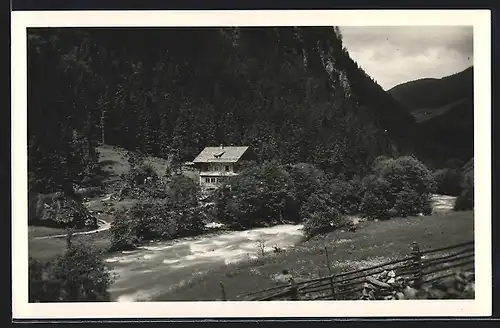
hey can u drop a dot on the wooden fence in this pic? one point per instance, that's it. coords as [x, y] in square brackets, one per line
[418, 269]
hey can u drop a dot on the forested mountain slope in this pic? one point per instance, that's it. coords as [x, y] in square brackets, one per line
[444, 110]
[433, 93]
[293, 94]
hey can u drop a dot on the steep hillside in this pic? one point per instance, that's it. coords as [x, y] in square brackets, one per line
[444, 111]
[435, 93]
[293, 94]
[450, 135]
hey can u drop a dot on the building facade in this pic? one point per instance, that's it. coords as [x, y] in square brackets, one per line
[216, 164]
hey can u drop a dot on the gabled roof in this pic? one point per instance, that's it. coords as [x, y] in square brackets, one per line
[224, 154]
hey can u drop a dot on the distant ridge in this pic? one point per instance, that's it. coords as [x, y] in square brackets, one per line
[444, 111]
[432, 92]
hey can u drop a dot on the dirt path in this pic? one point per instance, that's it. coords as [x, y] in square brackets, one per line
[103, 226]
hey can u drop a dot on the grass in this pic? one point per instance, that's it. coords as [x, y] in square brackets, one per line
[41, 231]
[113, 161]
[373, 243]
[48, 249]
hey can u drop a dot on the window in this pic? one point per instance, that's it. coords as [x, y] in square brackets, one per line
[207, 180]
[227, 168]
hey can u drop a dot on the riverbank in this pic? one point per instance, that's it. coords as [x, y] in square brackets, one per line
[372, 243]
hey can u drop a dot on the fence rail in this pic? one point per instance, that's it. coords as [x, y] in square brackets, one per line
[418, 269]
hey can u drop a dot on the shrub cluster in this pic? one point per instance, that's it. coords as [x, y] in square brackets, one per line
[261, 195]
[142, 181]
[78, 275]
[448, 181]
[347, 194]
[307, 180]
[270, 193]
[148, 221]
[465, 201]
[397, 187]
[321, 215]
[59, 210]
[177, 215]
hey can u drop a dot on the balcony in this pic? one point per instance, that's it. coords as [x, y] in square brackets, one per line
[217, 174]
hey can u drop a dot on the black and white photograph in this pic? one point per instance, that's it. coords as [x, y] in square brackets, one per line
[218, 164]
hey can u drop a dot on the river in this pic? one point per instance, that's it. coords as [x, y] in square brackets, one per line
[159, 267]
[162, 266]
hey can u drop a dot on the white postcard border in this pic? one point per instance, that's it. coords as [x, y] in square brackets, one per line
[479, 19]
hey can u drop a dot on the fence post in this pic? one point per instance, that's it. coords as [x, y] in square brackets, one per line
[294, 295]
[417, 265]
[328, 260]
[223, 292]
[332, 284]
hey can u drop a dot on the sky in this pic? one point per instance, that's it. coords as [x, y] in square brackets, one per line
[397, 54]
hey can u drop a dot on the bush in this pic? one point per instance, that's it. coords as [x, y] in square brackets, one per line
[123, 233]
[223, 202]
[347, 195]
[135, 158]
[152, 220]
[190, 221]
[380, 162]
[375, 204]
[142, 181]
[322, 222]
[398, 187]
[183, 191]
[78, 275]
[307, 179]
[448, 181]
[37, 286]
[261, 195]
[320, 215]
[465, 201]
[140, 175]
[58, 210]
[408, 202]
[168, 172]
[407, 172]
